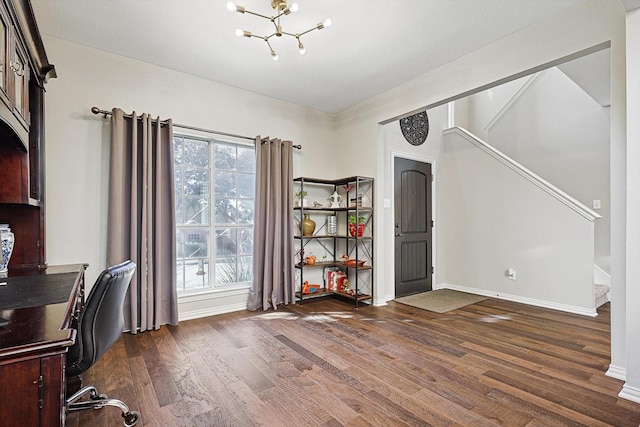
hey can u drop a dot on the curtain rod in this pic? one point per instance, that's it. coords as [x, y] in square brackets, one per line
[105, 113]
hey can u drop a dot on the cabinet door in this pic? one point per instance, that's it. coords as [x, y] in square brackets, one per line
[52, 413]
[4, 54]
[19, 67]
[19, 393]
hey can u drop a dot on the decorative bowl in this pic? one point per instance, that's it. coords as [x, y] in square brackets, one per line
[353, 263]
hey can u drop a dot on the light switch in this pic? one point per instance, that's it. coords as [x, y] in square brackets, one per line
[387, 203]
[597, 204]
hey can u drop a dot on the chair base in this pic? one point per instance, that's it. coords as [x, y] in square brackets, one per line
[98, 401]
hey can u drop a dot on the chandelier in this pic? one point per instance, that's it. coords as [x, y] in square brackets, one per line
[281, 8]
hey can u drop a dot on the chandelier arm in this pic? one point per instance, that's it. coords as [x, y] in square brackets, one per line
[258, 14]
[265, 38]
[274, 55]
[278, 15]
[308, 31]
[291, 34]
[275, 25]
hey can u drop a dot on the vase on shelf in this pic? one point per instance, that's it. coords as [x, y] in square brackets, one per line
[332, 225]
[356, 229]
[308, 226]
[7, 239]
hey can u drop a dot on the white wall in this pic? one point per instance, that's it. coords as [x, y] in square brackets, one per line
[497, 219]
[78, 142]
[562, 134]
[488, 106]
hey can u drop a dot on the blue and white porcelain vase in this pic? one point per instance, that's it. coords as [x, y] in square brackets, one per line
[6, 245]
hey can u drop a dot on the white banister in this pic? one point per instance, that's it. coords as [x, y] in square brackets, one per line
[554, 191]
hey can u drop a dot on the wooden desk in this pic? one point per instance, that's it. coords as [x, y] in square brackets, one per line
[41, 311]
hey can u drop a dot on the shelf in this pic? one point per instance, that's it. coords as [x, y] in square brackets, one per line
[322, 292]
[320, 236]
[319, 264]
[364, 267]
[333, 264]
[327, 209]
[361, 297]
[324, 236]
[341, 181]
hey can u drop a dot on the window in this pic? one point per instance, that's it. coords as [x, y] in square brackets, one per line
[214, 213]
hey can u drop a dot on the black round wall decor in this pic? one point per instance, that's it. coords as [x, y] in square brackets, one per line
[415, 128]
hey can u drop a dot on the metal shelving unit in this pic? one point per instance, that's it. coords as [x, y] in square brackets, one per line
[357, 193]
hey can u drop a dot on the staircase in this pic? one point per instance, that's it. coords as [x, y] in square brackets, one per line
[602, 286]
[526, 221]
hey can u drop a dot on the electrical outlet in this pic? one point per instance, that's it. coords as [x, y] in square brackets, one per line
[511, 273]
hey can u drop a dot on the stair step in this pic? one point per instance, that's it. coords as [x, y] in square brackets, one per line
[602, 294]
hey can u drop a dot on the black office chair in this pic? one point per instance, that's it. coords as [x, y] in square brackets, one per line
[99, 326]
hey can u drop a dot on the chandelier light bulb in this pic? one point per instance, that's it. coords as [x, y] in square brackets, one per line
[301, 48]
[294, 7]
[327, 23]
[232, 7]
[274, 55]
[239, 32]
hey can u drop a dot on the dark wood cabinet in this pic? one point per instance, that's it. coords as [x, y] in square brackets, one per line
[19, 386]
[41, 310]
[24, 69]
[5, 38]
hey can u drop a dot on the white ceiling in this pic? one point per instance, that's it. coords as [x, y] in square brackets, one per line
[372, 46]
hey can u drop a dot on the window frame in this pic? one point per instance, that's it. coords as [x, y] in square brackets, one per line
[212, 286]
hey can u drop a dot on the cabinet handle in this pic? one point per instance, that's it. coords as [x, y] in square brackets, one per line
[17, 68]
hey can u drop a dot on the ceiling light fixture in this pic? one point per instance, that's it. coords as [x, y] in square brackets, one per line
[281, 8]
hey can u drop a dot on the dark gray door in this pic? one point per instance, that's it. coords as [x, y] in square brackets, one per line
[413, 227]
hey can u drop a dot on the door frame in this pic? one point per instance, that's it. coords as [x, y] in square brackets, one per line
[434, 209]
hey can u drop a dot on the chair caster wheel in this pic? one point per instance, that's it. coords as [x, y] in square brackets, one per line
[130, 418]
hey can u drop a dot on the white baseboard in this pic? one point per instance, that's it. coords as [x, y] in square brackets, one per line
[380, 302]
[211, 311]
[617, 372]
[517, 298]
[630, 393]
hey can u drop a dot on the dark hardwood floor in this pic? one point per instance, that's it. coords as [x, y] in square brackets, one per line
[326, 364]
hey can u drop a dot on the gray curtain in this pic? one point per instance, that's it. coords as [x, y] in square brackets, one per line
[273, 268]
[141, 218]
